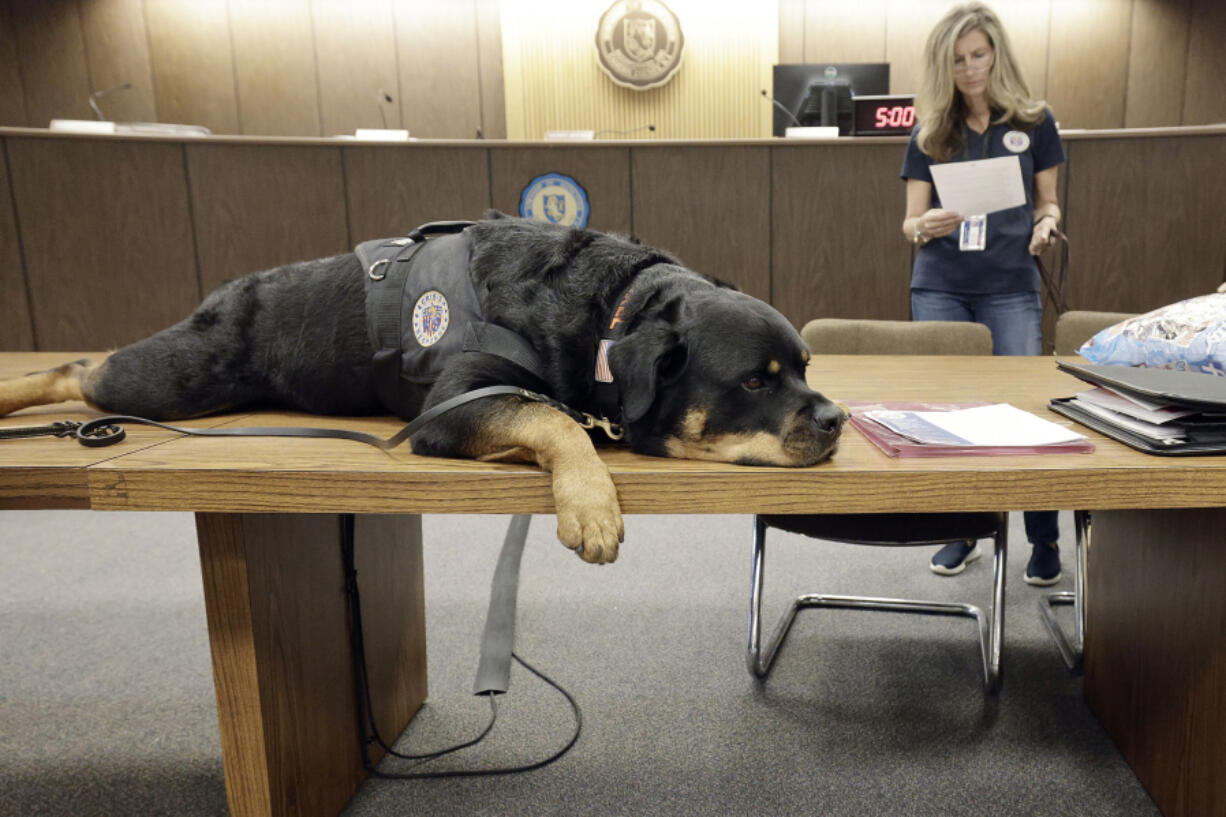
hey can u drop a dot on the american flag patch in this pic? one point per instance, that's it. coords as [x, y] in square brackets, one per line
[603, 373]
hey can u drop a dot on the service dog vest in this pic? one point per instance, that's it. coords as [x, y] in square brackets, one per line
[421, 310]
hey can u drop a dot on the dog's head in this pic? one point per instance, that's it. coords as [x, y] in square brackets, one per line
[706, 372]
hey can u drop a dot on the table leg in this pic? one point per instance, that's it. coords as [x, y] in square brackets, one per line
[1155, 650]
[278, 621]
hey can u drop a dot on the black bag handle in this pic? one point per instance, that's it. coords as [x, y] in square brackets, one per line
[438, 228]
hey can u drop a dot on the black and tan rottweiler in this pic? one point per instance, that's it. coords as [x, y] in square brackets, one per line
[700, 370]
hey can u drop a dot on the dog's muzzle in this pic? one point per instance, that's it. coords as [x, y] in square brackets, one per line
[816, 431]
[828, 417]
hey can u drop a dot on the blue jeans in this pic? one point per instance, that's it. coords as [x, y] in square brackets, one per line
[1016, 321]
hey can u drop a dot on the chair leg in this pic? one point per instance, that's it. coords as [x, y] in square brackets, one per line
[760, 657]
[992, 641]
[758, 660]
[1071, 647]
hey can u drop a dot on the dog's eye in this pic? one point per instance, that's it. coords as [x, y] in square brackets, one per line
[753, 383]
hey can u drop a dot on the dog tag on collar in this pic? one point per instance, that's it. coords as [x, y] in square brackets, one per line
[973, 234]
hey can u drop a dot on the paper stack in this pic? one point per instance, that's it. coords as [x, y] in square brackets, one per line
[1158, 411]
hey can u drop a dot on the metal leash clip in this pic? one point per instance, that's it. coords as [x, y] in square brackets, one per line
[62, 428]
[611, 429]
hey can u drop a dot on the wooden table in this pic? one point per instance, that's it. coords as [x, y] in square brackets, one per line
[269, 518]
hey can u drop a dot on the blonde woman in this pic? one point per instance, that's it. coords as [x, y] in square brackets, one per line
[974, 104]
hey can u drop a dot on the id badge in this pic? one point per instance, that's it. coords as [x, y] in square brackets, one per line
[973, 234]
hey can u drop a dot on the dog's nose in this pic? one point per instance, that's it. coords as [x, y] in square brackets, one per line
[828, 417]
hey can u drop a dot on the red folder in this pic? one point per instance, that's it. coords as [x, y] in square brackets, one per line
[896, 445]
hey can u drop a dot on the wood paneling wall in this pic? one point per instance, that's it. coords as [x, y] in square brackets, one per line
[12, 95]
[1203, 101]
[837, 243]
[711, 206]
[15, 329]
[1099, 63]
[273, 67]
[106, 236]
[390, 191]
[315, 67]
[254, 208]
[1126, 249]
[104, 240]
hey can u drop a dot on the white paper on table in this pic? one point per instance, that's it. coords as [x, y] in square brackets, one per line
[1156, 413]
[1151, 431]
[981, 186]
[999, 424]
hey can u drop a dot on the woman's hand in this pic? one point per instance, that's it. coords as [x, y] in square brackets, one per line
[1041, 237]
[936, 223]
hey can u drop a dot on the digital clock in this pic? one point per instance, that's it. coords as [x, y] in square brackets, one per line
[883, 115]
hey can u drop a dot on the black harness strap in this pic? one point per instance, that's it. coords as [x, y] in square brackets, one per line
[497, 340]
[86, 431]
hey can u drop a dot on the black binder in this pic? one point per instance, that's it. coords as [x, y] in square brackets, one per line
[1202, 432]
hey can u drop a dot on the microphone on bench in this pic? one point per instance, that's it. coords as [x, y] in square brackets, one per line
[783, 108]
[382, 96]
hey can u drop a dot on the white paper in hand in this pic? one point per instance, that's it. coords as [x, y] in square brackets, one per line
[981, 186]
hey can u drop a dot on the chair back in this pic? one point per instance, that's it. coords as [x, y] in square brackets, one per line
[842, 336]
[1075, 328]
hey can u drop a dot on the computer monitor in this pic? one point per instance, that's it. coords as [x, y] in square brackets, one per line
[820, 93]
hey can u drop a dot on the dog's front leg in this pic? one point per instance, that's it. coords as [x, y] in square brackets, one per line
[589, 516]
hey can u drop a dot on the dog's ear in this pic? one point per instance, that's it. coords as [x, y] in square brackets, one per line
[643, 361]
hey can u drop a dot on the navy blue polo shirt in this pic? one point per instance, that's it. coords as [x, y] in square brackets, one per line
[1005, 264]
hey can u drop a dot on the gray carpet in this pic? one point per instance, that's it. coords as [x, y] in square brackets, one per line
[106, 702]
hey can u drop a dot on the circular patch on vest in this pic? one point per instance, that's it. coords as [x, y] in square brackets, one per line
[638, 43]
[431, 315]
[555, 199]
[1016, 141]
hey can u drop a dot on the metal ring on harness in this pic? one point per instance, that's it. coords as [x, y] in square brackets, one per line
[378, 276]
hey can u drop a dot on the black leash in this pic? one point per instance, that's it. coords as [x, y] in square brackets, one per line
[108, 430]
[493, 671]
[1054, 283]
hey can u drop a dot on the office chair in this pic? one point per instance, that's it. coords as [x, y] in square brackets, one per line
[838, 336]
[1072, 330]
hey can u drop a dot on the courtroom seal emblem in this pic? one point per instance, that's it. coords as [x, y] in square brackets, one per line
[638, 43]
[555, 199]
[1016, 141]
[431, 315]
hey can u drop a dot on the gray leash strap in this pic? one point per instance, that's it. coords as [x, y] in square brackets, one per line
[494, 666]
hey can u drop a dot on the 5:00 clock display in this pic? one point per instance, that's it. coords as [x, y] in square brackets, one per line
[883, 115]
[895, 116]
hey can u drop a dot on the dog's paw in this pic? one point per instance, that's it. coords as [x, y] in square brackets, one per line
[589, 515]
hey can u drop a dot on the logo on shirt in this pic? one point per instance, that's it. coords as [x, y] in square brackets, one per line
[555, 199]
[431, 315]
[639, 43]
[1016, 141]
